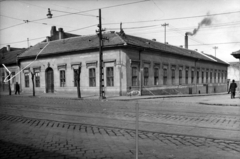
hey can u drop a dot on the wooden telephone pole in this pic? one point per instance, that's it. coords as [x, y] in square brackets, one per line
[101, 69]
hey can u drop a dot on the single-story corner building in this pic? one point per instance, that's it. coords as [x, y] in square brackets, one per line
[129, 61]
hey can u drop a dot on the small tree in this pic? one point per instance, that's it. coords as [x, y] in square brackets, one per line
[9, 84]
[33, 76]
[77, 78]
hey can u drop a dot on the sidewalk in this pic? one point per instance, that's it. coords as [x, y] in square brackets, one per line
[207, 99]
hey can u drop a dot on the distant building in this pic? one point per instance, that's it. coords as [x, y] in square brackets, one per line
[145, 65]
[235, 68]
[8, 56]
[233, 71]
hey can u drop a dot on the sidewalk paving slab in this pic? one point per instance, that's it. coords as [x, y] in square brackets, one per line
[212, 99]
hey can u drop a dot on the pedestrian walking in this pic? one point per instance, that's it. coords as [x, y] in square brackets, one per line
[232, 89]
[17, 88]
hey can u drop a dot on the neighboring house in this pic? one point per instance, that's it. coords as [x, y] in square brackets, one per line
[8, 57]
[145, 65]
[236, 67]
[233, 71]
[236, 54]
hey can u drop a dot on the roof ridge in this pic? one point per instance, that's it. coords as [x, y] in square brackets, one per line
[124, 42]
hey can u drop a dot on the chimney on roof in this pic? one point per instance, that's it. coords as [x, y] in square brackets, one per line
[154, 40]
[8, 48]
[121, 30]
[61, 33]
[186, 40]
[53, 30]
[181, 46]
[48, 39]
[196, 49]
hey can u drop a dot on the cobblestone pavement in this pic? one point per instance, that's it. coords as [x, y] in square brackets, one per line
[22, 137]
[155, 112]
[54, 128]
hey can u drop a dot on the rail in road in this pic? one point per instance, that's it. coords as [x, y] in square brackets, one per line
[31, 137]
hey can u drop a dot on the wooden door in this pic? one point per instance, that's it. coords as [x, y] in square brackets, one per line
[49, 81]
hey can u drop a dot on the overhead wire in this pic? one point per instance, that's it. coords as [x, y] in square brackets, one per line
[45, 36]
[79, 12]
[57, 10]
[177, 18]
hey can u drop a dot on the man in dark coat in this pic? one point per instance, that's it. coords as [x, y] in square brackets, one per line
[17, 88]
[232, 89]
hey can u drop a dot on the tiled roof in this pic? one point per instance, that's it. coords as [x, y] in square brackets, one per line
[236, 54]
[234, 64]
[72, 44]
[114, 39]
[9, 58]
[217, 59]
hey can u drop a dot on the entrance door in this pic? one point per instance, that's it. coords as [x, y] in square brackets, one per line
[49, 80]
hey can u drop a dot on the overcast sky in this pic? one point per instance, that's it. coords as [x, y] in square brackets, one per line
[139, 18]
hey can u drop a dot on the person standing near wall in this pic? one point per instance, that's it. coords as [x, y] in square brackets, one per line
[232, 89]
[17, 88]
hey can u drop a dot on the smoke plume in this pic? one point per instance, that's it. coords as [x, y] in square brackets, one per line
[205, 22]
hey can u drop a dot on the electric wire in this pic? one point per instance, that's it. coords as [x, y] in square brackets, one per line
[58, 10]
[177, 18]
[78, 12]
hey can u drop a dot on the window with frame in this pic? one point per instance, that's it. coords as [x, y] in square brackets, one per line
[110, 76]
[3, 76]
[14, 78]
[134, 76]
[75, 74]
[180, 77]
[210, 77]
[146, 76]
[206, 77]
[173, 76]
[165, 76]
[156, 76]
[192, 76]
[37, 79]
[186, 76]
[62, 78]
[225, 75]
[92, 77]
[215, 77]
[218, 77]
[26, 78]
[197, 77]
[202, 77]
[222, 78]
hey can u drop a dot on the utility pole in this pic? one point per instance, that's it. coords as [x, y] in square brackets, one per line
[165, 25]
[101, 69]
[215, 48]
[28, 42]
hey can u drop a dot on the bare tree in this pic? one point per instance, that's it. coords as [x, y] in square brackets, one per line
[9, 84]
[33, 76]
[77, 78]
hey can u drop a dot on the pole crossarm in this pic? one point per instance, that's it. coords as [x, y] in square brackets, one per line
[165, 25]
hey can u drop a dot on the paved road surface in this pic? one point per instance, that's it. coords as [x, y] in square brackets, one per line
[54, 128]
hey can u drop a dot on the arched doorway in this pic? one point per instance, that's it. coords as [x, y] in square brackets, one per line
[49, 80]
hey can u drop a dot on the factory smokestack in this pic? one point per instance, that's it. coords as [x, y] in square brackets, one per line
[205, 22]
[186, 40]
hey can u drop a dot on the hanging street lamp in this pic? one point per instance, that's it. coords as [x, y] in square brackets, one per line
[49, 15]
